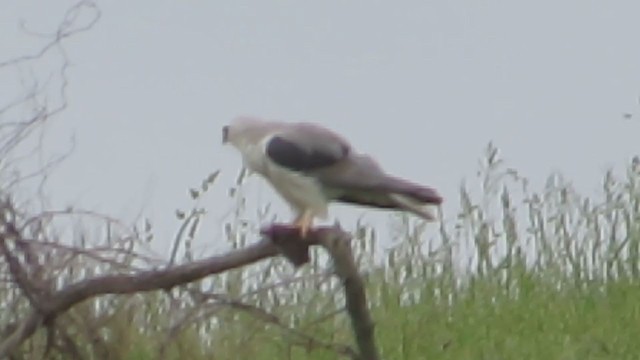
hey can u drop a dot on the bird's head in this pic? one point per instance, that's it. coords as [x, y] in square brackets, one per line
[245, 130]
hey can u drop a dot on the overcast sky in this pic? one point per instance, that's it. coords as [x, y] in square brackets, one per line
[421, 85]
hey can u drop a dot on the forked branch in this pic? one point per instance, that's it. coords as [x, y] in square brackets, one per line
[278, 239]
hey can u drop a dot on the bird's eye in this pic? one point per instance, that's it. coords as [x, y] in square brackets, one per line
[225, 134]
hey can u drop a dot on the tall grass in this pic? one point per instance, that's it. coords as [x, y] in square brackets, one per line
[517, 274]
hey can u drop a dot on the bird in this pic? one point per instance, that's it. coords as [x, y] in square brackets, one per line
[311, 166]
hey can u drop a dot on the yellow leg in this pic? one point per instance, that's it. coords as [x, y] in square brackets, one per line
[304, 222]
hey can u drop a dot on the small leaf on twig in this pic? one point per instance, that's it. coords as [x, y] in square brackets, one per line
[194, 193]
[213, 177]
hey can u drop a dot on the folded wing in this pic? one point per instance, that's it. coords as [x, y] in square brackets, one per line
[305, 147]
[346, 176]
[360, 180]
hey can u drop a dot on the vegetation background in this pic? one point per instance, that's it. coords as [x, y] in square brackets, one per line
[519, 274]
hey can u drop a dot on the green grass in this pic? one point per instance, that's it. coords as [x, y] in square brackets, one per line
[543, 323]
[517, 275]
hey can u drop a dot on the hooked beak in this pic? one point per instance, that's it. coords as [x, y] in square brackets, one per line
[225, 134]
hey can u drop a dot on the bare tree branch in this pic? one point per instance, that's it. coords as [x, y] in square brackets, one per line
[338, 245]
[355, 295]
[18, 272]
[64, 31]
[302, 338]
[334, 240]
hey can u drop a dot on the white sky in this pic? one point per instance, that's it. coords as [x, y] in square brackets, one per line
[422, 85]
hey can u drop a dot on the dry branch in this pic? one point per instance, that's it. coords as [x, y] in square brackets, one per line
[356, 299]
[277, 240]
[337, 243]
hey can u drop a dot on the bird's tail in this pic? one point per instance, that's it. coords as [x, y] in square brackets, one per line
[395, 193]
[409, 204]
[413, 197]
[418, 193]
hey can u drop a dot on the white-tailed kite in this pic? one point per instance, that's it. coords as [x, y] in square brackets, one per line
[310, 166]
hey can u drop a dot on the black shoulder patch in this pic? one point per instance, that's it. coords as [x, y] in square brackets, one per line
[288, 154]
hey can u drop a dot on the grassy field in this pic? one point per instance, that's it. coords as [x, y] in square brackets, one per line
[518, 275]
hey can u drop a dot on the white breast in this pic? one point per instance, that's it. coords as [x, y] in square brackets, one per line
[301, 192]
